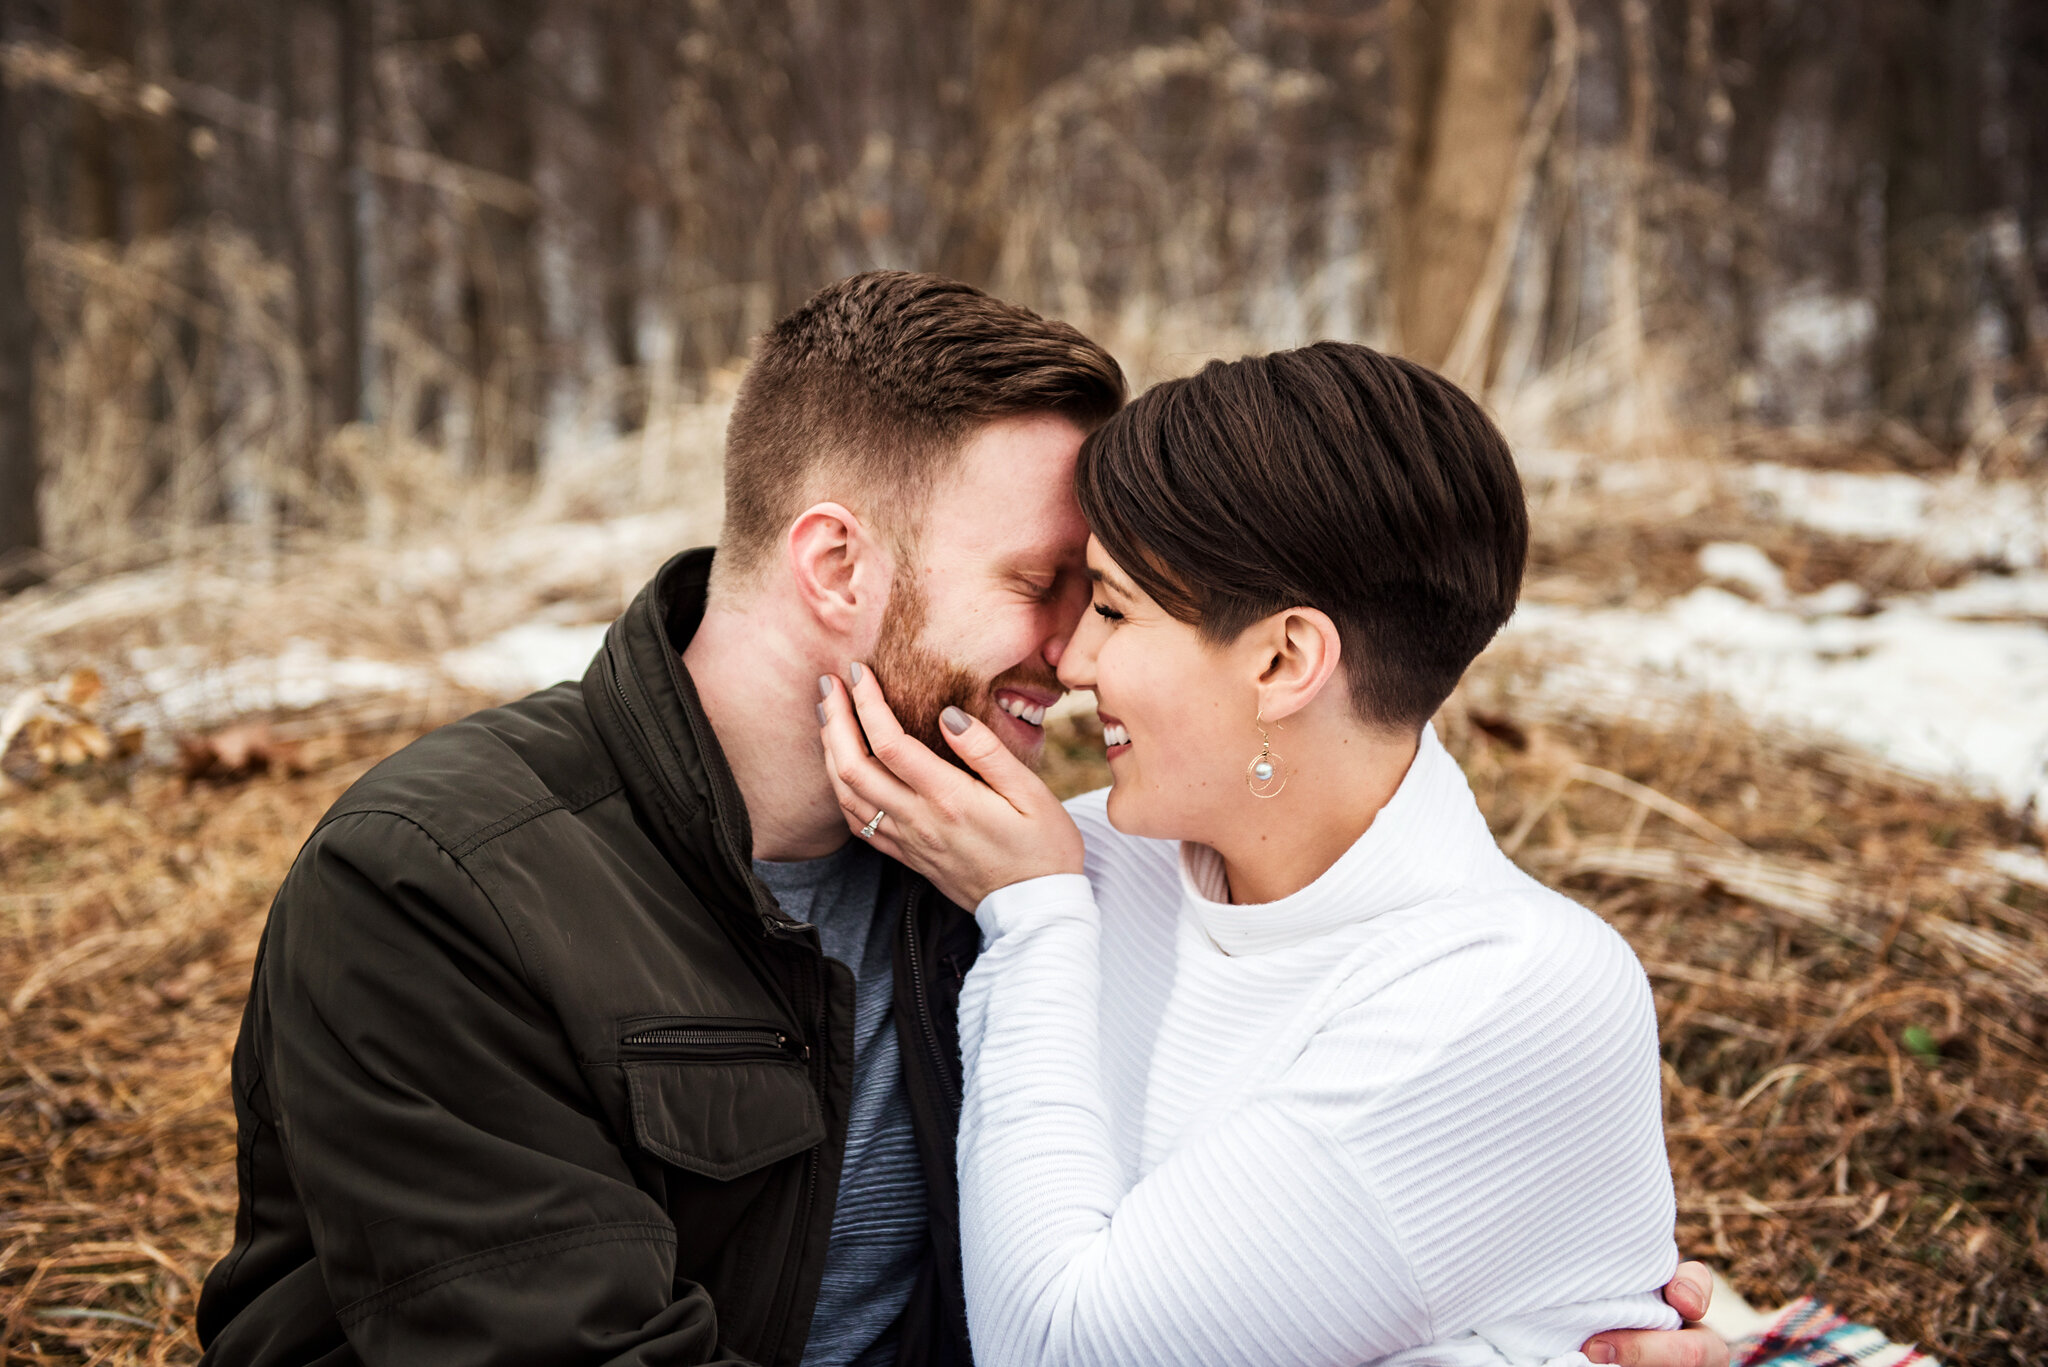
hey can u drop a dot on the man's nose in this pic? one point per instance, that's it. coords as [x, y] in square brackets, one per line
[1068, 610]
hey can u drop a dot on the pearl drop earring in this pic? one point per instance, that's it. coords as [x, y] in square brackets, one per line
[1263, 775]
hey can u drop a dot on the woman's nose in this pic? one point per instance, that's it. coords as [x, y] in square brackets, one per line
[1076, 663]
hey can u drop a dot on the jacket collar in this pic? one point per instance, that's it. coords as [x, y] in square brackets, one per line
[648, 714]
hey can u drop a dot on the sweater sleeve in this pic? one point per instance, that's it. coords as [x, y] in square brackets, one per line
[1064, 1267]
[1274, 1236]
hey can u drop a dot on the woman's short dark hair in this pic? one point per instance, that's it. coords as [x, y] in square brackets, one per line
[1332, 477]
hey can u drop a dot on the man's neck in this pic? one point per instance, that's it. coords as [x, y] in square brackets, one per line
[760, 690]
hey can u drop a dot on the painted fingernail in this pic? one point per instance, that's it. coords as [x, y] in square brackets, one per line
[853, 673]
[955, 720]
[824, 685]
[1599, 1350]
[821, 714]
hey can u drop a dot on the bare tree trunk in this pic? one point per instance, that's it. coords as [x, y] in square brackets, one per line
[1633, 404]
[490, 126]
[99, 30]
[158, 143]
[1474, 351]
[1763, 53]
[1922, 360]
[352, 43]
[2023, 178]
[1696, 129]
[1003, 42]
[632, 113]
[157, 205]
[20, 464]
[293, 230]
[1464, 73]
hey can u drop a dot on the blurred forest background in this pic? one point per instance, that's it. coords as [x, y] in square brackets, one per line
[360, 358]
[281, 259]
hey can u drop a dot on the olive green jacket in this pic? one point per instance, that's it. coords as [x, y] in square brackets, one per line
[534, 1071]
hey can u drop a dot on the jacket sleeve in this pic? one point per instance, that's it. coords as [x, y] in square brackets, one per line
[468, 1204]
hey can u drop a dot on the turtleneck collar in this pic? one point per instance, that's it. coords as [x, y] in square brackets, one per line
[1428, 841]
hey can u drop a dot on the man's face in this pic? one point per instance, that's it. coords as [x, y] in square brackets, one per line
[999, 580]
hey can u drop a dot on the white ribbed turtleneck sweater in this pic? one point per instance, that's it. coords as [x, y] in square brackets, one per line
[1409, 1113]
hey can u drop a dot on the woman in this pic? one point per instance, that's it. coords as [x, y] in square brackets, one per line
[1272, 1056]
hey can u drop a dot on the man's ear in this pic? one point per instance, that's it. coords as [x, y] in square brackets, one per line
[1300, 650]
[840, 570]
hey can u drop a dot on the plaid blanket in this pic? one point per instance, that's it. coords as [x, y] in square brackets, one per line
[1807, 1333]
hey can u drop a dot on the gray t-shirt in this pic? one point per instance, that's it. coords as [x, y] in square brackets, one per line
[880, 1225]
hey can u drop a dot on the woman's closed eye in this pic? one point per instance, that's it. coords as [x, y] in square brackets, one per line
[1107, 612]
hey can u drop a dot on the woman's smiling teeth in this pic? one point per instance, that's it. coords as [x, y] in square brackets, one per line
[1115, 734]
[1028, 712]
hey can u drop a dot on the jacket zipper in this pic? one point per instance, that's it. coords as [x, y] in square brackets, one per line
[780, 1043]
[922, 995]
[734, 1042]
[807, 1202]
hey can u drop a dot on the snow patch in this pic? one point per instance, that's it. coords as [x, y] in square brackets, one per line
[2017, 597]
[527, 657]
[1839, 599]
[2022, 866]
[1816, 326]
[192, 692]
[1958, 517]
[1744, 565]
[1866, 507]
[1948, 699]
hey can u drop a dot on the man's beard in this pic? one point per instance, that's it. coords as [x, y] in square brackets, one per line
[921, 684]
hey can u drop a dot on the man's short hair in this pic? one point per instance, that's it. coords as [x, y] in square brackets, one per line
[869, 391]
[1332, 477]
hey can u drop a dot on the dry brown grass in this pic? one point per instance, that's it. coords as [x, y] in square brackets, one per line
[132, 909]
[1851, 1008]
[1802, 918]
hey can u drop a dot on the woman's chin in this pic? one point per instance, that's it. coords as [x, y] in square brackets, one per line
[1129, 812]
[1116, 805]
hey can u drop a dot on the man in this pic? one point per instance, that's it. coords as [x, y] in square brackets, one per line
[580, 1033]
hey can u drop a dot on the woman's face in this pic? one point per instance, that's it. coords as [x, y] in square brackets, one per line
[1177, 710]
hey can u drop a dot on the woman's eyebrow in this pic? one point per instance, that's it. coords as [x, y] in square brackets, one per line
[1110, 580]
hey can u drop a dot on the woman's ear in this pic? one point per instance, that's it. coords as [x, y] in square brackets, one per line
[839, 569]
[1302, 651]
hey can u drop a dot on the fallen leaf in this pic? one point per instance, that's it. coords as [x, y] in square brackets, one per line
[82, 687]
[236, 752]
[68, 742]
[44, 732]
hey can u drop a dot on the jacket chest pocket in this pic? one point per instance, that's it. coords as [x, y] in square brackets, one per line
[719, 1098]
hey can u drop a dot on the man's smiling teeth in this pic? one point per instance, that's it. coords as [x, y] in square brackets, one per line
[1033, 713]
[1115, 734]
